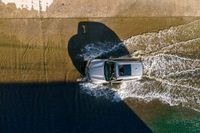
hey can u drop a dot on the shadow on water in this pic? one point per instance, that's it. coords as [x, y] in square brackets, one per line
[96, 33]
[60, 107]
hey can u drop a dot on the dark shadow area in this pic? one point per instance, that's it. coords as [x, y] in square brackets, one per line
[97, 34]
[61, 108]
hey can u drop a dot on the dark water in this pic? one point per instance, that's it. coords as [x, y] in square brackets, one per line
[62, 108]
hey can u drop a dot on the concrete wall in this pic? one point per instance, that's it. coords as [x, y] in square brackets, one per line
[104, 8]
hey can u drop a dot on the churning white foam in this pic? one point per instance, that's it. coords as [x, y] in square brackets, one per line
[97, 49]
[161, 81]
[171, 67]
[100, 91]
[153, 42]
[162, 65]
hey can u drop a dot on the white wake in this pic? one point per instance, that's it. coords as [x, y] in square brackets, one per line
[171, 60]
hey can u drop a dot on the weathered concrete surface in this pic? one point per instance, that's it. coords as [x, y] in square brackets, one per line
[126, 8]
[107, 8]
[36, 50]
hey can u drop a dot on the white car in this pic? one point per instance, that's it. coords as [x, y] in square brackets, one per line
[102, 71]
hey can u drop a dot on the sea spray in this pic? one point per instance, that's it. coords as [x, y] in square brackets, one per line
[171, 67]
[97, 49]
[153, 42]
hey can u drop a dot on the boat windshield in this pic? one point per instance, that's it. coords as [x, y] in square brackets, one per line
[109, 70]
[124, 70]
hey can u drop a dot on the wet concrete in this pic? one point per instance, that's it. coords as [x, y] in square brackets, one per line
[37, 49]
